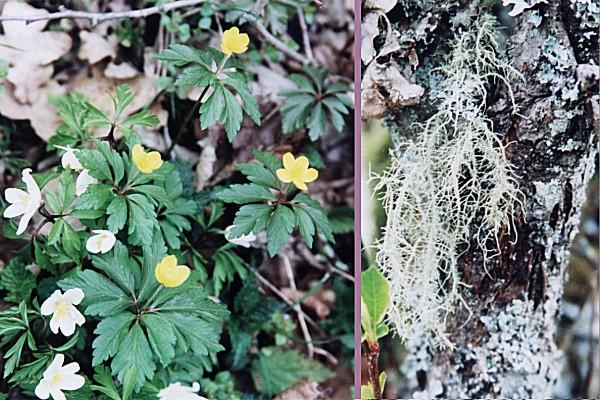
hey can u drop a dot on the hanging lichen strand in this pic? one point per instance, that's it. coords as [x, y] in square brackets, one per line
[448, 187]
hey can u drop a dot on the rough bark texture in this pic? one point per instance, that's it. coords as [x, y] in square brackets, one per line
[506, 347]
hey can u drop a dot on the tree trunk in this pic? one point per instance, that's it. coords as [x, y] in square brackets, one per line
[505, 346]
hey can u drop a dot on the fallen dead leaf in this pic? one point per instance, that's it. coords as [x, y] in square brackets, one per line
[384, 88]
[41, 114]
[29, 51]
[385, 5]
[206, 162]
[303, 390]
[320, 301]
[95, 47]
[120, 71]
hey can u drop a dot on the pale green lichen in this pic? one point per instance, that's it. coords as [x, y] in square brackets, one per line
[451, 177]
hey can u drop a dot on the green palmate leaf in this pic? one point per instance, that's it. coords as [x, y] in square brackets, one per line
[134, 352]
[316, 213]
[106, 384]
[375, 296]
[232, 116]
[17, 281]
[102, 296]
[213, 108]
[117, 214]
[118, 267]
[317, 122]
[305, 225]
[245, 193]
[142, 219]
[180, 55]
[96, 197]
[276, 370]
[258, 174]
[227, 266]
[197, 75]
[123, 96]
[280, 226]
[268, 159]
[71, 242]
[249, 103]
[161, 336]
[251, 218]
[110, 333]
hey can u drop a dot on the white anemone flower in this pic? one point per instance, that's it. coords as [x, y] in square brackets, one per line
[69, 159]
[23, 202]
[176, 391]
[83, 181]
[57, 378]
[243, 240]
[62, 308]
[101, 242]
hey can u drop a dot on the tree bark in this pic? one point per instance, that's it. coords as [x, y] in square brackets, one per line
[504, 347]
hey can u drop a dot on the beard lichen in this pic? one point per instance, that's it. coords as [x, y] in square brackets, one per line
[448, 186]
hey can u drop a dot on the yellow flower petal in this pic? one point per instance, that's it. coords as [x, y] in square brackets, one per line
[169, 274]
[288, 161]
[301, 163]
[234, 42]
[310, 175]
[284, 175]
[296, 170]
[145, 162]
[300, 184]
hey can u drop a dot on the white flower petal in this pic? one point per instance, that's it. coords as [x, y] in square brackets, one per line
[14, 195]
[14, 210]
[102, 242]
[72, 382]
[78, 317]
[57, 394]
[67, 326]
[74, 295]
[70, 368]
[41, 390]
[49, 304]
[83, 181]
[70, 160]
[93, 244]
[24, 221]
[55, 365]
[55, 325]
[35, 196]
[244, 240]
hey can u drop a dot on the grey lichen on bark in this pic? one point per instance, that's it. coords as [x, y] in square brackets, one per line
[503, 341]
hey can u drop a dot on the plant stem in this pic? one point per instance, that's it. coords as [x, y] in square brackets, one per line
[373, 367]
[191, 113]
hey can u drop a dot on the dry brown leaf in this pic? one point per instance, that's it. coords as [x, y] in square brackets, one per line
[29, 51]
[206, 162]
[42, 115]
[385, 5]
[303, 390]
[120, 71]
[320, 301]
[369, 31]
[386, 79]
[97, 88]
[95, 48]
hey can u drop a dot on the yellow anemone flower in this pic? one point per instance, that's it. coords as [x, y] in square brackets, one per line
[296, 170]
[234, 42]
[146, 162]
[169, 274]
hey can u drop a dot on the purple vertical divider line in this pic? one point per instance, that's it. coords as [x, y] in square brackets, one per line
[357, 192]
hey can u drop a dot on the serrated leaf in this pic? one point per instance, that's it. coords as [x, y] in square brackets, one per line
[245, 193]
[161, 337]
[233, 115]
[134, 352]
[179, 55]
[276, 370]
[258, 174]
[117, 214]
[110, 333]
[317, 122]
[280, 226]
[251, 218]
[213, 108]
[305, 225]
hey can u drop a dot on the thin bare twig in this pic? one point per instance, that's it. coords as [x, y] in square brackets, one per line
[290, 274]
[305, 39]
[97, 17]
